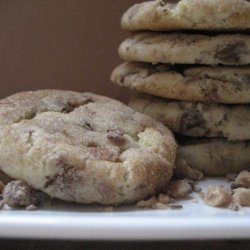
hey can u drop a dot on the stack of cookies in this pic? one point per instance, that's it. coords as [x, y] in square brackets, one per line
[193, 58]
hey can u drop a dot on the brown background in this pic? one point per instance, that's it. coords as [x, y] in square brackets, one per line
[66, 44]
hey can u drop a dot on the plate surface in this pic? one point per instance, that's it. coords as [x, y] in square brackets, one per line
[194, 221]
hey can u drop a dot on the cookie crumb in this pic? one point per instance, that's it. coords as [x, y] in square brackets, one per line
[160, 202]
[241, 196]
[179, 189]
[217, 197]
[159, 206]
[243, 179]
[175, 206]
[109, 209]
[234, 206]
[31, 207]
[183, 170]
[231, 176]
[164, 199]
[235, 185]
[147, 203]
[20, 194]
[197, 189]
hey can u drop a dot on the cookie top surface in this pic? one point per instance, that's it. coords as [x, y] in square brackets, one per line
[188, 14]
[184, 48]
[198, 119]
[229, 84]
[83, 147]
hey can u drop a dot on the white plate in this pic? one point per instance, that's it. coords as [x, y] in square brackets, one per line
[194, 221]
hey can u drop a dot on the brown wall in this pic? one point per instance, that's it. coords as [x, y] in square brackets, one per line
[67, 44]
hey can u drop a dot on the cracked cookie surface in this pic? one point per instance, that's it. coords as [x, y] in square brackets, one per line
[188, 14]
[195, 84]
[181, 48]
[215, 157]
[84, 148]
[198, 119]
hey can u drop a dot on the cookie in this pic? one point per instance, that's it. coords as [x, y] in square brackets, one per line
[84, 148]
[188, 14]
[215, 157]
[180, 48]
[4, 178]
[194, 84]
[198, 119]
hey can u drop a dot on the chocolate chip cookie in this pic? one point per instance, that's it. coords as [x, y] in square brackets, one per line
[198, 119]
[215, 157]
[84, 148]
[180, 48]
[196, 84]
[188, 14]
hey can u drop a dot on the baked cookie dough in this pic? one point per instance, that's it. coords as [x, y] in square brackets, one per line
[215, 157]
[188, 14]
[194, 84]
[84, 148]
[198, 119]
[180, 48]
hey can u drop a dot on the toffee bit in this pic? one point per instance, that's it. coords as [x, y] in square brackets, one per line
[243, 179]
[241, 196]
[164, 199]
[217, 197]
[116, 136]
[179, 189]
[160, 206]
[31, 207]
[183, 170]
[147, 203]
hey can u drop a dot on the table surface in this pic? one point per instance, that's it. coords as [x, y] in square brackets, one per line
[107, 245]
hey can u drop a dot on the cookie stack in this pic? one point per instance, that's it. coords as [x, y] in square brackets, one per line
[193, 58]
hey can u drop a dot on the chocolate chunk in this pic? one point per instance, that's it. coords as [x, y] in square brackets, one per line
[191, 119]
[235, 185]
[230, 53]
[70, 106]
[116, 136]
[20, 194]
[175, 206]
[87, 125]
[63, 179]
[162, 3]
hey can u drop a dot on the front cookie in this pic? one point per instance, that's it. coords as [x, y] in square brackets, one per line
[84, 148]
